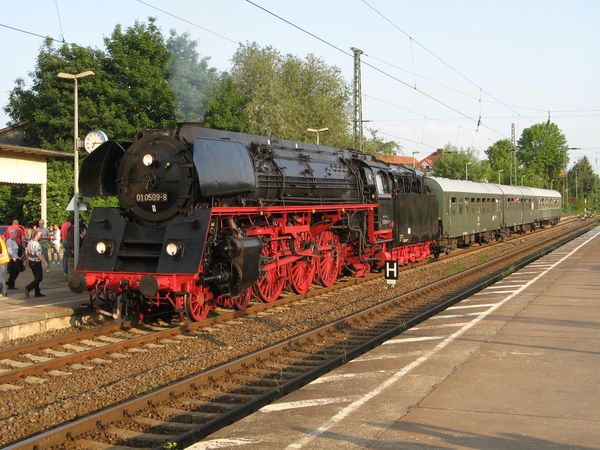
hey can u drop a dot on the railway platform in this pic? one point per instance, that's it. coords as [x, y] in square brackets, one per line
[60, 308]
[517, 365]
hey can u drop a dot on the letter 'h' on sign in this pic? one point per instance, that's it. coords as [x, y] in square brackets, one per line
[391, 272]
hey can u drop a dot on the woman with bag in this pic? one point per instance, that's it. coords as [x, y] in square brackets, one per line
[4, 259]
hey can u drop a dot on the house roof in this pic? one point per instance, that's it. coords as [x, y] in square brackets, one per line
[9, 148]
[433, 156]
[407, 161]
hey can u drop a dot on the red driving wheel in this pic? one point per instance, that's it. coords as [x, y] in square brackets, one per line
[330, 263]
[269, 287]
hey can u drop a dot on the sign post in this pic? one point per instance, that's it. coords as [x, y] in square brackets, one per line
[391, 272]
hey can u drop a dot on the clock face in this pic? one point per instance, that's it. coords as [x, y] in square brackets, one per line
[94, 139]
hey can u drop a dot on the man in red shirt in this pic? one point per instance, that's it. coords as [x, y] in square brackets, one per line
[64, 234]
[19, 232]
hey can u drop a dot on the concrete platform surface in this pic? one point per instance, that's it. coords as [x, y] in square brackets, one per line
[21, 317]
[516, 366]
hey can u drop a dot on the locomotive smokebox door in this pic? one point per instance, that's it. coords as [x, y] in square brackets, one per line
[391, 272]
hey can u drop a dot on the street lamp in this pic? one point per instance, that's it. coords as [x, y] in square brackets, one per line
[499, 172]
[317, 130]
[414, 153]
[467, 170]
[75, 77]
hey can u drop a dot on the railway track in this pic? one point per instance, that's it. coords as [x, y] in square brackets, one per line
[51, 355]
[190, 409]
[57, 356]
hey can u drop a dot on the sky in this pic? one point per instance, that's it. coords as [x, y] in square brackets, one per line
[435, 68]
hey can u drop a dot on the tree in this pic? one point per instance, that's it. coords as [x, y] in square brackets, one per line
[137, 91]
[281, 96]
[455, 163]
[542, 150]
[128, 92]
[498, 156]
[375, 145]
[583, 184]
[226, 109]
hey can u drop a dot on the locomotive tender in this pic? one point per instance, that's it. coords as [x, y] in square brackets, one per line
[212, 218]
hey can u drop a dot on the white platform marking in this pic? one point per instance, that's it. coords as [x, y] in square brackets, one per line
[483, 305]
[346, 376]
[221, 443]
[443, 325]
[349, 409]
[456, 316]
[415, 339]
[303, 404]
[369, 357]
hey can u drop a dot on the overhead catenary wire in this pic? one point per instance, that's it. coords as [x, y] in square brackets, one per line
[372, 66]
[439, 58]
[462, 116]
[189, 22]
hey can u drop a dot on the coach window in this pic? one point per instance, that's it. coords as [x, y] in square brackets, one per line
[383, 184]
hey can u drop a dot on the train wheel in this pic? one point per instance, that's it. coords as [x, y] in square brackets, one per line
[269, 287]
[302, 274]
[197, 307]
[241, 302]
[330, 263]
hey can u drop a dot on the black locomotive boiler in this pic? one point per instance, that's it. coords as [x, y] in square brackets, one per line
[212, 218]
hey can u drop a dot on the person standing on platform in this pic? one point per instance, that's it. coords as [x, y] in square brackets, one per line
[19, 233]
[64, 235]
[44, 241]
[15, 265]
[55, 240]
[36, 258]
[4, 259]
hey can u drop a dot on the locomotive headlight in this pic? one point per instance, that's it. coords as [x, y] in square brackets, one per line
[104, 247]
[174, 249]
[101, 247]
[148, 159]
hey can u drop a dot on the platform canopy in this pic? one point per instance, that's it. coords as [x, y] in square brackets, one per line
[27, 165]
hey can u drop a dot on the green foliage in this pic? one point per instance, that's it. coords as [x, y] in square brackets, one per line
[455, 163]
[128, 92]
[226, 110]
[584, 186]
[498, 156]
[281, 96]
[542, 151]
[374, 145]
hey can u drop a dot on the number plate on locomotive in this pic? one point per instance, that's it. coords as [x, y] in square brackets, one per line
[151, 197]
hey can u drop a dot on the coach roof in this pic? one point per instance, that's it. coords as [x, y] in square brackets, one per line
[468, 187]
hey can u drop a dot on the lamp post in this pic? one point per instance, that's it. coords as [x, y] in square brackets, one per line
[75, 77]
[499, 172]
[414, 153]
[317, 130]
[467, 170]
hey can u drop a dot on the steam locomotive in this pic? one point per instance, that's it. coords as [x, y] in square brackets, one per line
[211, 218]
